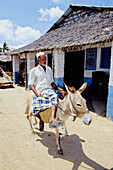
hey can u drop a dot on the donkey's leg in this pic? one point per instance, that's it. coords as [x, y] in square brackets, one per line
[65, 131]
[41, 123]
[35, 121]
[29, 118]
[58, 142]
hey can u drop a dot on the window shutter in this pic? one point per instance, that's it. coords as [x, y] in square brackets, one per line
[105, 57]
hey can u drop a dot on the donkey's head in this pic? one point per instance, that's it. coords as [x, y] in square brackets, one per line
[78, 103]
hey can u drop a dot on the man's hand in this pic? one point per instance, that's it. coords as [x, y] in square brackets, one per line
[34, 90]
[58, 88]
[61, 90]
[39, 95]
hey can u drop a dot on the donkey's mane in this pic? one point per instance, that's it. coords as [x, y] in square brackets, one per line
[72, 89]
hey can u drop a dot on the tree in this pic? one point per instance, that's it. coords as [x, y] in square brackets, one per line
[5, 47]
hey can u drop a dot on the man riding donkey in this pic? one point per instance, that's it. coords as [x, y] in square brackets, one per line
[41, 83]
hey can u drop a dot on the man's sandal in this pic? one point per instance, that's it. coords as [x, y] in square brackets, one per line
[55, 123]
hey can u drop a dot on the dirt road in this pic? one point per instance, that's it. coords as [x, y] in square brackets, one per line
[86, 147]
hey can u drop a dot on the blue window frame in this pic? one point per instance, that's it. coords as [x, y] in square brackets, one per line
[105, 57]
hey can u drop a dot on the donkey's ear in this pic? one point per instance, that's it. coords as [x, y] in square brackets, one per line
[67, 88]
[82, 88]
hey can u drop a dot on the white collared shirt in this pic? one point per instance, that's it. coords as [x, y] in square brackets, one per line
[41, 79]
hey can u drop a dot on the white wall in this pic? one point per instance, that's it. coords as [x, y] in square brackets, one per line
[59, 64]
[16, 63]
[88, 73]
[110, 90]
[30, 61]
[15, 69]
[111, 68]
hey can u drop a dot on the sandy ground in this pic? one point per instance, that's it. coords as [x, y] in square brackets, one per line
[86, 147]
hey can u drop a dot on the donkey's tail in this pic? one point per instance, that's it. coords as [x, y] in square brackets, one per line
[28, 106]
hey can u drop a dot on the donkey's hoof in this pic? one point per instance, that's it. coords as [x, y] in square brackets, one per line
[32, 132]
[60, 152]
[35, 123]
[41, 126]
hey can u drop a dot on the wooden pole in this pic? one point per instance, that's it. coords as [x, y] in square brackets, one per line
[11, 67]
[25, 71]
[53, 64]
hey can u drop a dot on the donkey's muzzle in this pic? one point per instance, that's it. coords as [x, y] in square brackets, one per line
[87, 118]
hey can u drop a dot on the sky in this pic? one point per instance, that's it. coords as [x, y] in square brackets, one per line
[24, 21]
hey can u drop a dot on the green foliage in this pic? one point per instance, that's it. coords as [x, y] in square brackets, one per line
[0, 49]
[5, 47]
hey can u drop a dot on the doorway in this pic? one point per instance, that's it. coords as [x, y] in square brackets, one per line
[74, 68]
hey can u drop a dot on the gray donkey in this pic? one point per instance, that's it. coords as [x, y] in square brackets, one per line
[73, 103]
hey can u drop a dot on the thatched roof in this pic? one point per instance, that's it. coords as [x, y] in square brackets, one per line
[5, 57]
[79, 25]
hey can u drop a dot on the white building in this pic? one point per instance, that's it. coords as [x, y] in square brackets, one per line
[79, 48]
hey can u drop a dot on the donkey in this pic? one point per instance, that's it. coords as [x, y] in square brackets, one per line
[74, 103]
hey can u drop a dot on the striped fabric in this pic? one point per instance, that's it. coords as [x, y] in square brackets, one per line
[40, 103]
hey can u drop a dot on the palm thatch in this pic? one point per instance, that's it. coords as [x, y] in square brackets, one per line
[78, 26]
[5, 57]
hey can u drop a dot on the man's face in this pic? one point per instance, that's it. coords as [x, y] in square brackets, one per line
[42, 60]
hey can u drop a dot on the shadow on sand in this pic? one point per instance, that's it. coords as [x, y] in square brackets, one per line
[7, 87]
[72, 148]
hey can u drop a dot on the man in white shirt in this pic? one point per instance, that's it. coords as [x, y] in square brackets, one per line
[41, 83]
